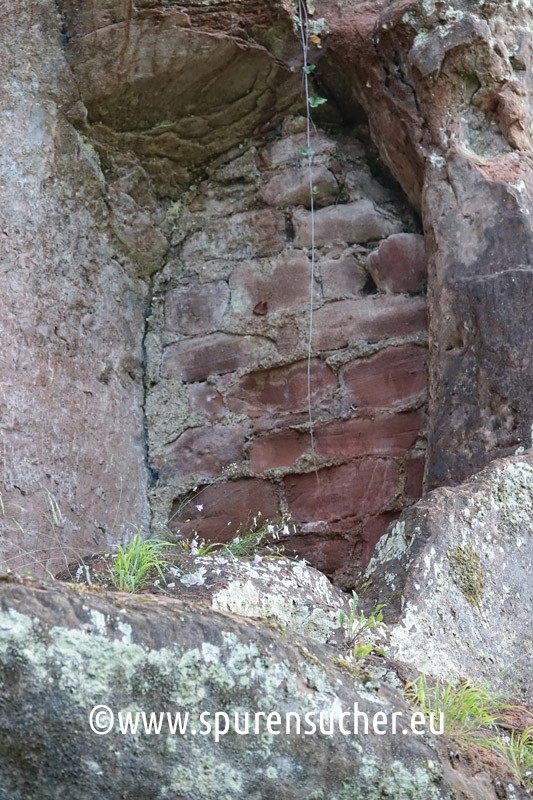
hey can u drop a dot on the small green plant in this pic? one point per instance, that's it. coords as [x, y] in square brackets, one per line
[474, 714]
[516, 749]
[467, 708]
[356, 624]
[259, 534]
[135, 562]
[197, 546]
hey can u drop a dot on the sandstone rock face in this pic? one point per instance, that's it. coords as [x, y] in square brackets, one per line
[268, 586]
[456, 571]
[72, 318]
[64, 652]
[447, 89]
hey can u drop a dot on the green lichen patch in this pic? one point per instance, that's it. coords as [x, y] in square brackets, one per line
[467, 573]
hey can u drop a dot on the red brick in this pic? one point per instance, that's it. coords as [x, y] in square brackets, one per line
[204, 452]
[250, 234]
[282, 389]
[271, 288]
[196, 309]
[342, 277]
[399, 264]
[383, 434]
[352, 490]
[352, 223]
[414, 478]
[205, 398]
[215, 354]
[369, 319]
[393, 377]
[225, 506]
[292, 187]
[279, 449]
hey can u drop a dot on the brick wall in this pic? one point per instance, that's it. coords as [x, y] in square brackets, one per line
[227, 399]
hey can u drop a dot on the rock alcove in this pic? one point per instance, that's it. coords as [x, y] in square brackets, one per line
[199, 130]
[168, 208]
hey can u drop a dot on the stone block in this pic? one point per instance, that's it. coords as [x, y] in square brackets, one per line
[215, 354]
[292, 187]
[205, 399]
[279, 449]
[355, 490]
[342, 277]
[369, 319]
[399, 264]
[204, 452]
[250, 234]
[262, 288]
[380, 435]
[281, 389]
[197, 308]
[217, 510]
[393, 377]
[353, 223]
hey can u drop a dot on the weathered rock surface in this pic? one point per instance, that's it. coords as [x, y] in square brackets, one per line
[71, 317]
[448, 93]
[65, 651]
[456, 572]
[269, 586]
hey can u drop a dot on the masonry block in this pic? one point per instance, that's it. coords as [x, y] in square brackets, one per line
[282, 389]
[393, 377]
[250, 234]
[197, 308]
[218, 509]
[279, 449]
[287, 149]
[204, 452]
[205, 399]
[369, 319]
[381, 434]
[352, 223]
[356, 489]
[399, 264]
[326, 552]
[263, 288]
[342, 277]
[214, 354]
[292, 187]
